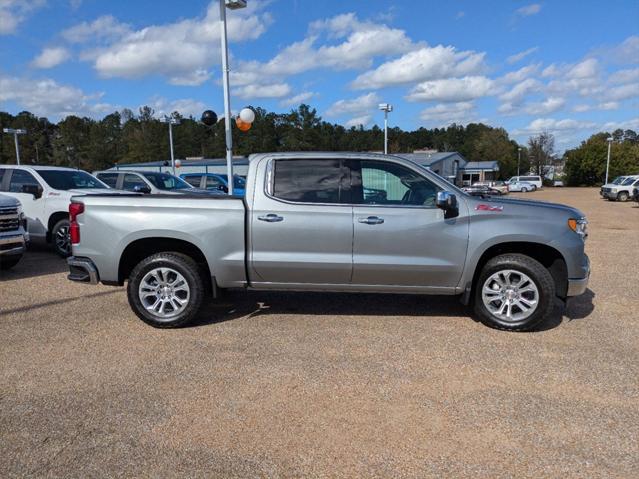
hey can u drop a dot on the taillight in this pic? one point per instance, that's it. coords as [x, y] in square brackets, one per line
[75, 209]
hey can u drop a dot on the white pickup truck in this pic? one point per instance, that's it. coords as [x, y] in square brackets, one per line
[45, 193]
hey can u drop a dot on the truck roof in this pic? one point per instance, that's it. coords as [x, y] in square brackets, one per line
[40, 167]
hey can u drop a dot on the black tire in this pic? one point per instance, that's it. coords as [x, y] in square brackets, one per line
[185, 266]
[60, 238]
[8, 262]
[524, 189]
[623, 196]
[539, 275]
[534, 187]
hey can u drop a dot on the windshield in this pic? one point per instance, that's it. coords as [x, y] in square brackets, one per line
[618, 180]
[70, 180]
[238, 183]
[166, 182]
[628, 182]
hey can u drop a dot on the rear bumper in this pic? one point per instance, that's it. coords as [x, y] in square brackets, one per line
[12, 245]
[578, 286]
[82, 270]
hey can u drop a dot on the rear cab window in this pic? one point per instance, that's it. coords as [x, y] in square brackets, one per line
[311, 181]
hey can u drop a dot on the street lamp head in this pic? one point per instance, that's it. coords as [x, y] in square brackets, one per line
[386, 107]
[14, 131]
[170, 119]
[235, 4]
[610, 139]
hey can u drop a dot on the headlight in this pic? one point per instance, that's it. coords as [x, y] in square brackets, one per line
[613, 190]
[579, 226]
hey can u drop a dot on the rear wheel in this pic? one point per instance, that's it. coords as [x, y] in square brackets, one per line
[61, 239]
[623, 196]
[514, 292]
[524, 189]
[166, 289]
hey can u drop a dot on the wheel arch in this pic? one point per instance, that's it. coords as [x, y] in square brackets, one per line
[141, 248]
[53, 219]
[549, 257]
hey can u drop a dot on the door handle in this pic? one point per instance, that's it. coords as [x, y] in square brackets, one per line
[271, 218]
[371, 220]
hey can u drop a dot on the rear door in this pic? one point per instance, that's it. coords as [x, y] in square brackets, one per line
[301, 225]
[401, 238]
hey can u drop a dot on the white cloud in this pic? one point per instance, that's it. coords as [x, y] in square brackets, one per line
[532, 9]
[181, 51]
[452, 89]
[624, 76]
[426, 63]
[185, 106]
[50, 57]
[553, 125]
[517, 93]
[46, 97]
[622, 92]
[519, 75]
[363, 120]
[610, 105]
[460, 14]
[521, 55]
[448, 112]
[550, 105]
[106, 27]
[632, 124]
[298, 99]
[627, 52]
[274, 90]
[361, 104]
[14, 12]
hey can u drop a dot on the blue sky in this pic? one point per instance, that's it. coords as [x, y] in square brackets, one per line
[568, 67]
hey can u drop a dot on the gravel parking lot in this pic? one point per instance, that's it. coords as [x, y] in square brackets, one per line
[319, 385]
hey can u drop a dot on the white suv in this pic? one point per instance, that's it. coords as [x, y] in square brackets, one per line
[536, 181]
[621, 188]
[45, 193]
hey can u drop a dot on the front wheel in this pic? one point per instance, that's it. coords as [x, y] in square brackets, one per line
[61, 238]
[166, 290]
[514, 292]
[623, 196]
[524, 190]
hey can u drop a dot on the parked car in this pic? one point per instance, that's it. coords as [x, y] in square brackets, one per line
[215, 181]
[45, 193]
[522, 186]
[558, 183]
[621, 188]
[536, 181]
[481, 190]
[146, 182]
[305, 224]
[13, 231]
[500, 186]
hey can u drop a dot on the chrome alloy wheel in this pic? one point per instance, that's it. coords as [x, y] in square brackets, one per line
[510, 295]
[164, 293]
[63, 240]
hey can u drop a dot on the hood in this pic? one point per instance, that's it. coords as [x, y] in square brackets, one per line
[539, 206]
[8, 201]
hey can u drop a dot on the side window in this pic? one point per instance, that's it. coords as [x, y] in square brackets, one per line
[386, 183]
[109, 178]
[310, 181]
[213, 183]
[19, 178]
[131, 181]
[193, 180]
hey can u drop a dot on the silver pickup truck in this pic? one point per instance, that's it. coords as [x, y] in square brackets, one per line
[333, 222]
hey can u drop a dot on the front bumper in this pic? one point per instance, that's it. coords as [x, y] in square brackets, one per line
[578, 286]
[12, 245]
[82, 270]
[609, 195]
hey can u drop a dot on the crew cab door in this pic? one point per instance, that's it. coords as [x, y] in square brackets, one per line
[300, 225]
[401, 238]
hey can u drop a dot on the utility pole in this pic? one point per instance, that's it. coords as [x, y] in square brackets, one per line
[171, 121]
[518, 160]
[232, 5]
[15, 133]
[386, 108]
[608, 161]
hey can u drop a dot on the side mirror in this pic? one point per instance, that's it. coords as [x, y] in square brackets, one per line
[142, 189]
[223, 188]
[35, 190]
[448, 202]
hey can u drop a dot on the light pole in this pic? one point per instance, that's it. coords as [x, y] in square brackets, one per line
[386, 108]
[610, 138]
[15, 133]
[171, 121]
[232, 5]
[518, 159]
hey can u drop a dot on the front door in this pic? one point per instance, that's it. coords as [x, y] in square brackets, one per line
[301, 225]
[33, 207]
[400, 237]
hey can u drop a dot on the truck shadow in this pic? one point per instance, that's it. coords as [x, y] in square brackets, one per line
[250, 304]
[39, 260]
